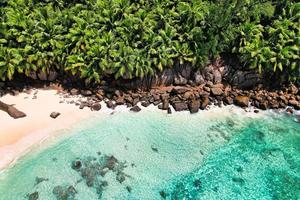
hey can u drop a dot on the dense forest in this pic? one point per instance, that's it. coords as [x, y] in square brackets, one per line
[94, 39]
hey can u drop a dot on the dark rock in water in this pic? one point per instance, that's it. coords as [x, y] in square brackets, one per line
[76, 165]
[54, 115]
[169, 111]
[96, 106]
[33, 196]
[289, 110]
[135, 109]
[194, 106]
[109, 104]
[240, 181]
[145, 103]
[204, 103]
[120, 177]
[180, 106]
[256, 111]
[154, 149]
[129, 189]
[163, 194]
[86, 92]
[63, 193]
[260, 136]
[197, 183]
[242, 101]
[39, 180]
[111, 162]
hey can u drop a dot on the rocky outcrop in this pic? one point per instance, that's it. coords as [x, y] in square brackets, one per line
[244, 79]
[12, 111]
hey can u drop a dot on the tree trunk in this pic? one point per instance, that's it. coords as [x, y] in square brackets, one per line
[12, 111]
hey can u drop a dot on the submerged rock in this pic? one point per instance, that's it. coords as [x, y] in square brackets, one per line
[163, 194]
[33, 196]
[64, 193]
[39, 180]
[76, 164]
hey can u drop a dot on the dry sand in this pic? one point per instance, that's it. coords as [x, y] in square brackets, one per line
[18, 135]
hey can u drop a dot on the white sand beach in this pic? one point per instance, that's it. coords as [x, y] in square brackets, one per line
[18, 135]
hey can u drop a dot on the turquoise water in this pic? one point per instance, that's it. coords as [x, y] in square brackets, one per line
[221, 154]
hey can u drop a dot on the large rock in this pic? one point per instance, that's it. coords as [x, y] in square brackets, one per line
[198, 78]
[12, 111]
[228, 100]
[205, 102]
[96, 106]
[217, 77]
[120, 101]
[216, 91]
[180, 106]
[135, 109]
[164, 105]
[33, 196]
[194, 106]
[179, 90]
[293, 89]
[54, 115]
[245, 79]
[110, 104]
[180, 80]
[74, 91]
[295, 104]
[86, 92]
[242, 101]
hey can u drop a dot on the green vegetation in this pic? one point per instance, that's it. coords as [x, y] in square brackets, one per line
[133, 38]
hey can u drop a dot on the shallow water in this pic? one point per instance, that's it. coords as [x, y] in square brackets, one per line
[220, 154]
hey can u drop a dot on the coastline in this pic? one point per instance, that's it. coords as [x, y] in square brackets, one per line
[18, 135]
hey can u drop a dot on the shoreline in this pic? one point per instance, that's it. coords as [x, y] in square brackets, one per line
[18, 136]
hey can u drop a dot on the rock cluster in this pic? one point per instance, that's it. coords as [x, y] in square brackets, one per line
[192, 98]
[93, 170]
